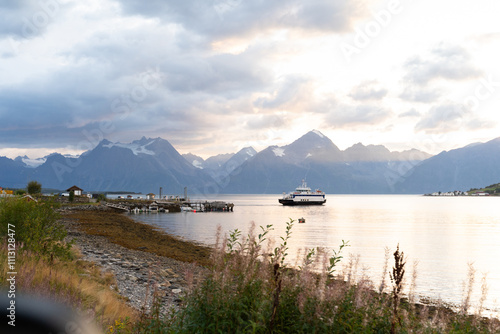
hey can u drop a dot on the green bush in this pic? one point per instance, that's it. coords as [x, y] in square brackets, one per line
[35, 227]
[20, 192]
[34, 187]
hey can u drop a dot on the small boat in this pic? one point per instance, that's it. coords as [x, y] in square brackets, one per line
[187, 208]
[302, 220]
[303, 196]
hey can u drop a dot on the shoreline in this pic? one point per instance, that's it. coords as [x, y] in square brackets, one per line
[139, 271]
[161, 265]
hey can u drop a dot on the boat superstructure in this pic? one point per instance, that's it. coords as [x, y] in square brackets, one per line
[303, 196]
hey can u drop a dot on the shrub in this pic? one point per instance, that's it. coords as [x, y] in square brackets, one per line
[35, 226]
[251, 290]
[34, 187]
[20, 192]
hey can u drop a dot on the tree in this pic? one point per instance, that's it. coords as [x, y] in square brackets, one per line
[71, 195]
[34, 188]
[37, 227]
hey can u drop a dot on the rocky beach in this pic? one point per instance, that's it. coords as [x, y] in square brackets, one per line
[139, 271]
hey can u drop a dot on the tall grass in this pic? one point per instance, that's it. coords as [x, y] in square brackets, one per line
[76, 283]
[251, 290]
[47, 267]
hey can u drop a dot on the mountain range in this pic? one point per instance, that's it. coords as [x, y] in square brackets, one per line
[147, 164]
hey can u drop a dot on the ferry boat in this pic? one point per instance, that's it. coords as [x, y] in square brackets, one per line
[303, 196]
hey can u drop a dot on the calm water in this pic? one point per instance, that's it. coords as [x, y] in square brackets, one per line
[444, 234]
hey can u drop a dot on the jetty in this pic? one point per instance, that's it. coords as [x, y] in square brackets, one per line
[206, 206]
[164, 206]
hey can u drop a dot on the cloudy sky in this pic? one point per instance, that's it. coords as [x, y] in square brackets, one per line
[214, 76]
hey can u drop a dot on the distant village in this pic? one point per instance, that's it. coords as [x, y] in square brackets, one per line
[491, 190]
[128, 202]
[79, 192]
[460, 193]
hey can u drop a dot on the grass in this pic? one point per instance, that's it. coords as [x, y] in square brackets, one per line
[76, 283]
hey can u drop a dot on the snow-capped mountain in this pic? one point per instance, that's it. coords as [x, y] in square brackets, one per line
[212, 163]
[194, 160]
[143, 165]
[149, 163]
[221, 162]
[238, 159]
[314, 157]
[137, 147]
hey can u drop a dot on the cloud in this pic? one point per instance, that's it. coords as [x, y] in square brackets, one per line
[261, 122]
[420, 94]
[15, 17]
[368, 90]
[25, 19]
[448, 62]
[288, 93]
[410, 113]
[451, 117]
[442, 119]
[348, 116]
[104, 77]
[225, 70]
[223, 74]
[226, 18]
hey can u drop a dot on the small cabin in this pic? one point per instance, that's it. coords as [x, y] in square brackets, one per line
[150, 196]
[77, 191]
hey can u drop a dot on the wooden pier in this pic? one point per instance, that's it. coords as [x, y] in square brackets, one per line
[138, 206]
[207, 206]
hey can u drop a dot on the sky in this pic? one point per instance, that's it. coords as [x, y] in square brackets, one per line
[215, 76]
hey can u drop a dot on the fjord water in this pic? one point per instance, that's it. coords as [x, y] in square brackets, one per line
[444, 234]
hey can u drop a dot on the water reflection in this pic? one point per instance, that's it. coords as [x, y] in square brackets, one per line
[443, 234]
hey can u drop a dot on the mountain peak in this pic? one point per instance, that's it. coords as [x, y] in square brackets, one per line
[250, 151]
[313, 139]
[137, 147]
[318, 133]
